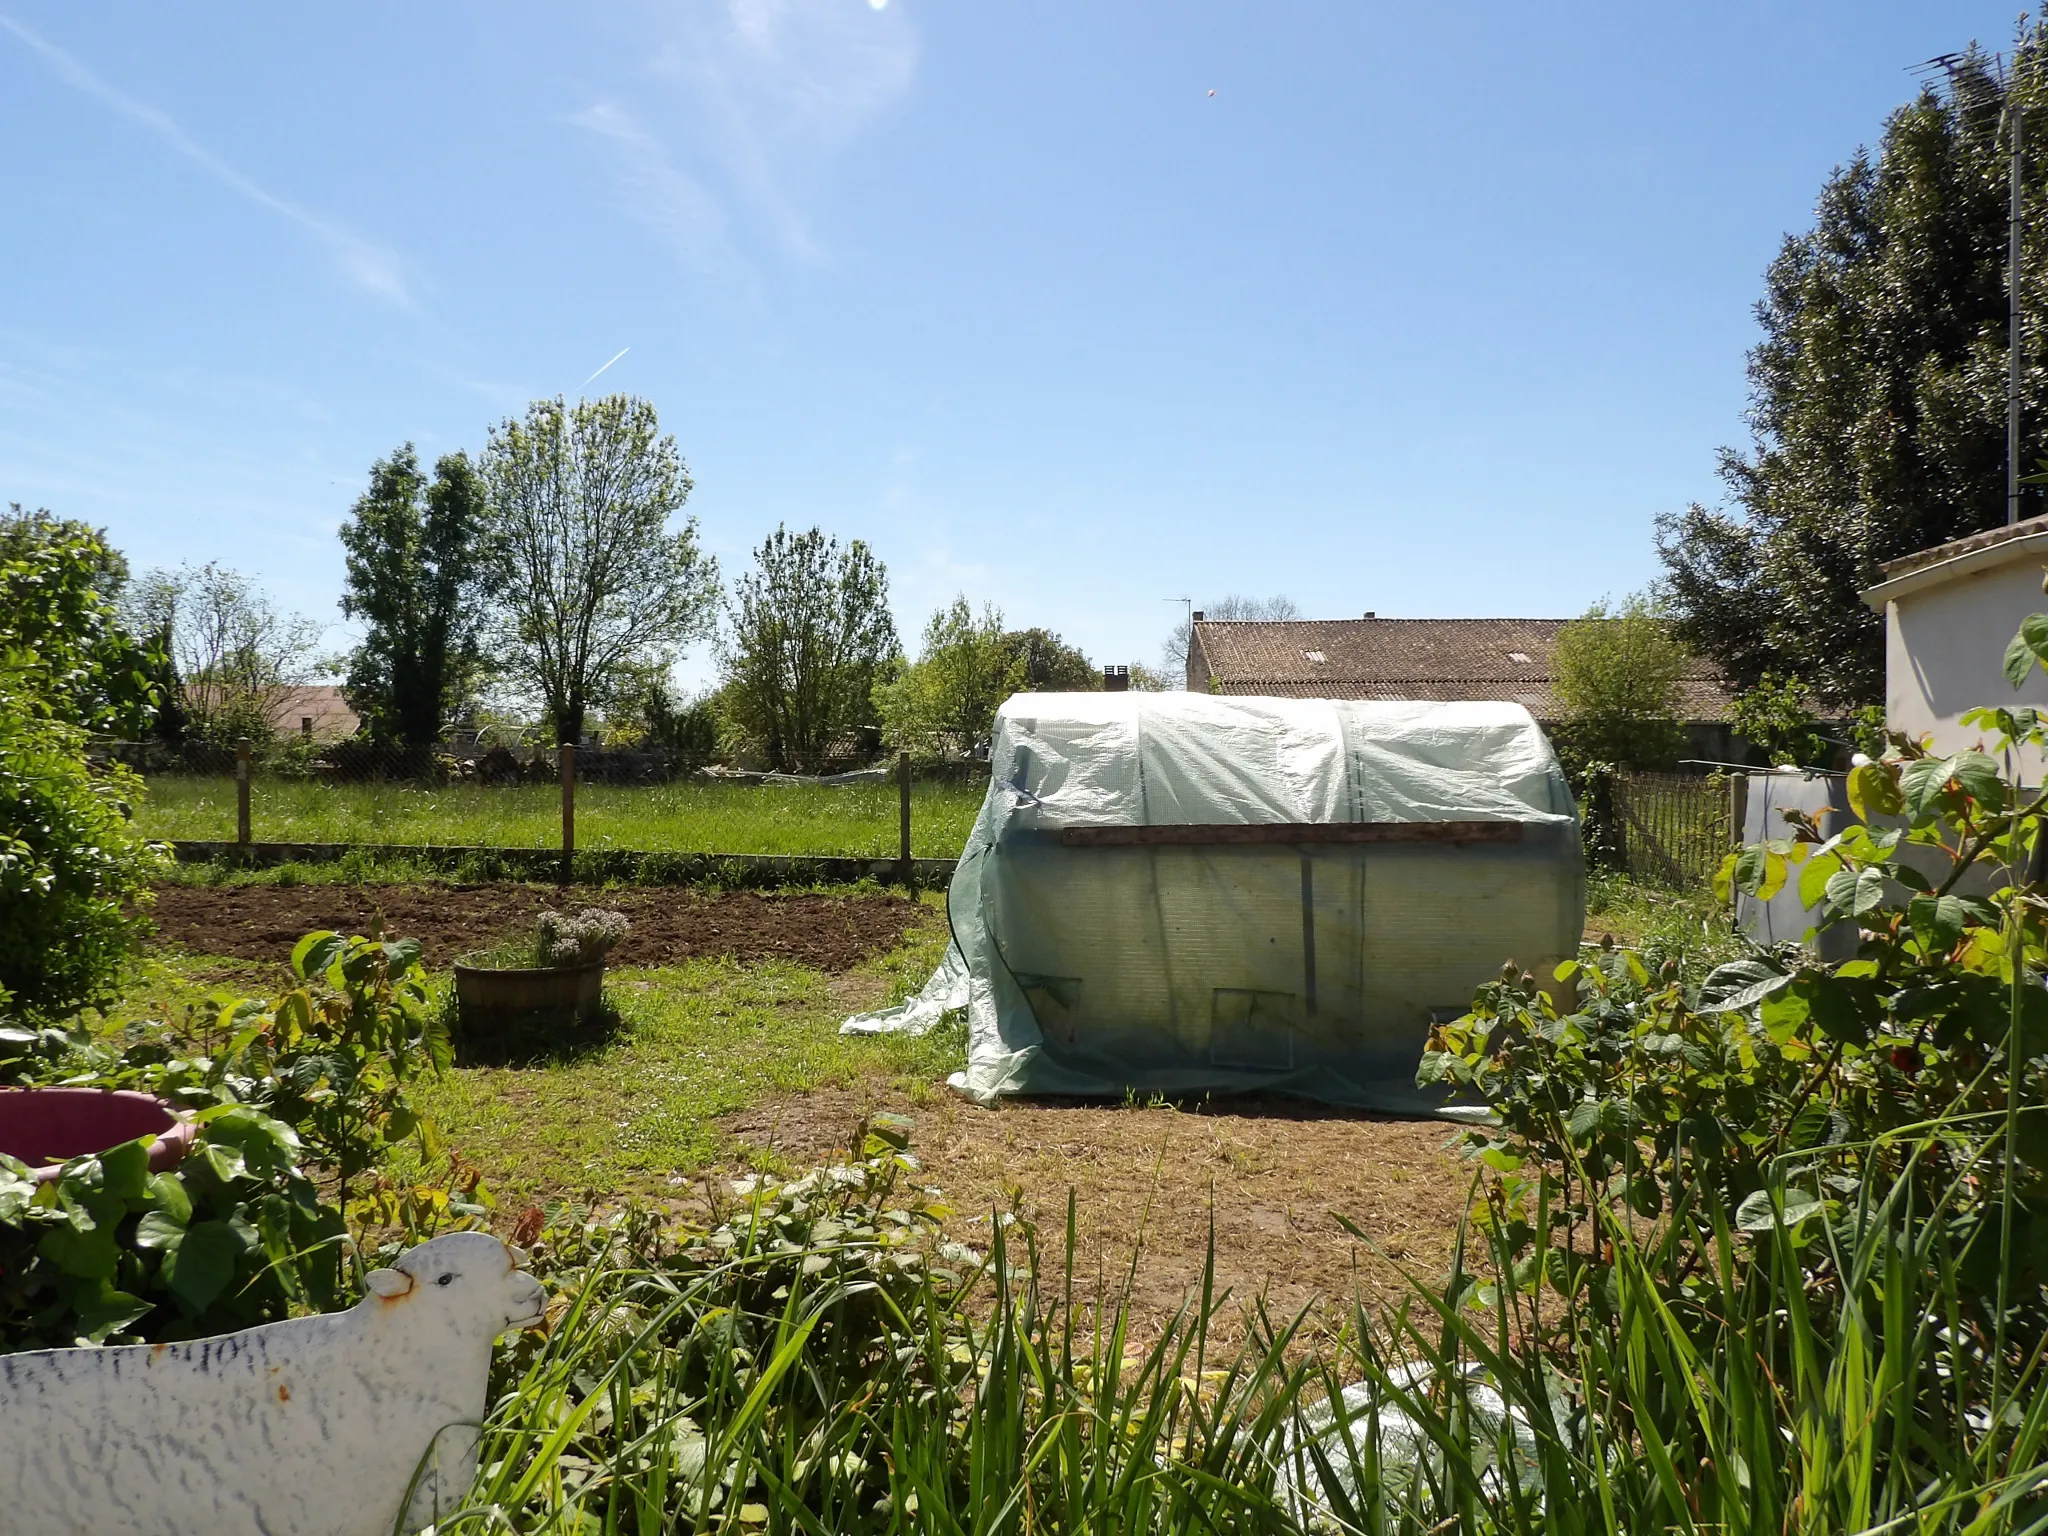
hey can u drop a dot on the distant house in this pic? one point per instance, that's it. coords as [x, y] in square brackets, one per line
[320, 712]
[1949, 613]
[1438, 659]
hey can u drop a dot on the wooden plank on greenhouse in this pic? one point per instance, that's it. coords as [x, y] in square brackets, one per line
[1235, 834]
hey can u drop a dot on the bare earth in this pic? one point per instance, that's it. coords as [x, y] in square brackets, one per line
[1274, 1175]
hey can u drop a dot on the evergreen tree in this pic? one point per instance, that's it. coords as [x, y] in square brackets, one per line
[1878, 392]
[414, 549]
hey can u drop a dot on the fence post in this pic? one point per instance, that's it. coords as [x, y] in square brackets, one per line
[903, 815]
[567, 753]
[242, 793]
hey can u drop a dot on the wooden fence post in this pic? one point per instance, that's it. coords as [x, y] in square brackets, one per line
[903, 816]
[567, 753]
[242, 792]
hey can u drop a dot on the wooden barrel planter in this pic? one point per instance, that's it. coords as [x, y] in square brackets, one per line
[495, 1003]
[47, 1127]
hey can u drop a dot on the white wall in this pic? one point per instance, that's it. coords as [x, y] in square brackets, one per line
[1945, 654]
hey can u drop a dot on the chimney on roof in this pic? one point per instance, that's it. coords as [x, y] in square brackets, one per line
[1198, 615]
[1116, 679]
[1370, 614]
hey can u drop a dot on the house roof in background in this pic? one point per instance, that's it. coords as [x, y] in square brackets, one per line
[1434, 659]
[323, 704]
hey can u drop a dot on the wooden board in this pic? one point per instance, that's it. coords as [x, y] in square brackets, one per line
[1237, 834]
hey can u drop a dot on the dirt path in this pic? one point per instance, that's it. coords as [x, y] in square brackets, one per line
[1276, 1174]
[263, 922]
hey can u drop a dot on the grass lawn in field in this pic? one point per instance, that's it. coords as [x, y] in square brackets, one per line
[855, 820]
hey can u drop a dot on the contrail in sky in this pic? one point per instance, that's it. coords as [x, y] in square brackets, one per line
[621, 353]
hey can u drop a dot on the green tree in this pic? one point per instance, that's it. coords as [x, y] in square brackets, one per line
[1775, 718]
[1047, 664]
[590, 578]
[232, 655]
[60, 584]
[1877, 393]
[811, 636]
[1616, 673]
[945, 701]
[414, 550]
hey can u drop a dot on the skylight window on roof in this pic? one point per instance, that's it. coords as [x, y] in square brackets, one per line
[1315, 656]
[1521, 656]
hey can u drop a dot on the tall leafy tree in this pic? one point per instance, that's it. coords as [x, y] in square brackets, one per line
[1877, 392]
[592, 576]
[811, 635]
[414, 558]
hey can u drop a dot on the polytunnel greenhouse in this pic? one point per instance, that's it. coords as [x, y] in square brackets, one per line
[1172, 893]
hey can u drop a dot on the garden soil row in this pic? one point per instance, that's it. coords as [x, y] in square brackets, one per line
[263, 922]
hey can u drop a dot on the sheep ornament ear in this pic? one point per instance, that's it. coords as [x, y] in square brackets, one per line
[388, 1282]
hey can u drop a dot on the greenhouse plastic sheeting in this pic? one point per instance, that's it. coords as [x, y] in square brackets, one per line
[1309, 958]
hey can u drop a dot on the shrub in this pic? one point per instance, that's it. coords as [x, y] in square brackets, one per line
[74, 876]
[298, 1099]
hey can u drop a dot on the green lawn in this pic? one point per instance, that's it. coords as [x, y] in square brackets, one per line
[693, 1042]
[855, 819]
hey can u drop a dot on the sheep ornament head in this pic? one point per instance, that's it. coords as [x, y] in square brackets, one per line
[464, 1281]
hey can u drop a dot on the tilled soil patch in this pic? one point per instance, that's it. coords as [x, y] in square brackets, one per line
[1273, 1175]
[263, 922]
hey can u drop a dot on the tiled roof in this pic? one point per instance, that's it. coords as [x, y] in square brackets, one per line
[1438, 659]
[1989, 539]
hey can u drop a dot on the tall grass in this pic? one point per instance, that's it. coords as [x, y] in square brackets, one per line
[817, 1366]
[855, 820]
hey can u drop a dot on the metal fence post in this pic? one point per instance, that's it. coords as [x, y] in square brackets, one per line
[903, 815]
[568, 757]
[242, 792]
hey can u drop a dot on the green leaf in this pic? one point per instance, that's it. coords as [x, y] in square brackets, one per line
[167, 1191]
[124, 1172]
[1852, 893]
[1844, 1007]
[1937, 921]
[99, 1310]
[1978, 773]
[2029, 646]
[1784, 1014]
[204, 1263]
[1874, 791]
[318, 950]
[1757, 1214]
[159, 1229]
[1814, 878]
[90, 1254]
[1740, 984]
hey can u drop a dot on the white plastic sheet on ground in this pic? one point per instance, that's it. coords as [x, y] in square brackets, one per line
[1306, 967]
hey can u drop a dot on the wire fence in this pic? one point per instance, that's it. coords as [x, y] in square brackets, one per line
[1662, 828]
[305, 795]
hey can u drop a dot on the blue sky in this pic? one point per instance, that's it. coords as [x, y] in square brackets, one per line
[1427, 310]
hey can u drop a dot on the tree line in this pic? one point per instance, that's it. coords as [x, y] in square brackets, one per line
[554, 581]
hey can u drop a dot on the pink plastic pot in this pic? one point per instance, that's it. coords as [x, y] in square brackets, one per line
[46, 1127]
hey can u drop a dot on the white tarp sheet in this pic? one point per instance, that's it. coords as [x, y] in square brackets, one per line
[1307, 966]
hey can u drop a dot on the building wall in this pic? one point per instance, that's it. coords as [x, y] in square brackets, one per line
[1945, 653]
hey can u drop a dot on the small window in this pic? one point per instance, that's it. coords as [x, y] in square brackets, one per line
[1315, 656]
[1521, 656]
